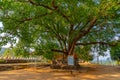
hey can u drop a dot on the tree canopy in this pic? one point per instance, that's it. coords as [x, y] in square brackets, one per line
[59, 25]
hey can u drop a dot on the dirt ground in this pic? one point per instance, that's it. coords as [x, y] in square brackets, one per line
[91, 72]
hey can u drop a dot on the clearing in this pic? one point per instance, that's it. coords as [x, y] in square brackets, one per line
[91, 72]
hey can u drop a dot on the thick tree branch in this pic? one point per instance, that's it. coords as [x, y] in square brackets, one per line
[86, 31]
[92, 23]
[91, 43]
[73, 43]
[29, 19]
[71, 29]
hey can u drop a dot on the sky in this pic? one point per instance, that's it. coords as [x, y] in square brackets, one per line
[8, 45]
[1, 24]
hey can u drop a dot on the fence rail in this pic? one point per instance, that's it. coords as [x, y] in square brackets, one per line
[19, 59]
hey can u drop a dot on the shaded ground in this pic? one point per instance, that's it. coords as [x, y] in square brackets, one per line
[93, 72]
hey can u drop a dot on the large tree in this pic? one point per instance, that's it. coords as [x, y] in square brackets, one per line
[62, 25]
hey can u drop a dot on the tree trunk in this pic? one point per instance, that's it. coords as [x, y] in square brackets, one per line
[66, 54]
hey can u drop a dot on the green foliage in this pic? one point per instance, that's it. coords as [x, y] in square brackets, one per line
[58, 24]
[101, 49]
[21, 50]
[8, 53]
[115, 52]
[2, 61]
[48, 56]
[83, 53]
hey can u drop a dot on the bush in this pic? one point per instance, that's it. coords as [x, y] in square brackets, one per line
[2, 61]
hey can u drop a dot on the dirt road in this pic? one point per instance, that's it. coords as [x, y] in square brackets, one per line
[94, 72]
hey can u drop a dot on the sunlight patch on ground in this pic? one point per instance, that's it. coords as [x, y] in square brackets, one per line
[115, 75]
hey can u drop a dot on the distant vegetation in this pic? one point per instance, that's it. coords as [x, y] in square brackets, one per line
[2, 51]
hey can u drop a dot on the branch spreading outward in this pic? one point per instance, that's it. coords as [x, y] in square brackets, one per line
[56, 50]
[52, 8]
[39, 4]
[39, 16]
[102, 43]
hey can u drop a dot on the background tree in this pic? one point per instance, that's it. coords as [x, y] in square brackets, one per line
[8, 53]
[115, 53]
[62, 23]
[21, 51]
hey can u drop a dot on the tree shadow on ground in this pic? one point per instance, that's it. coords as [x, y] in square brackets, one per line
[92, 73]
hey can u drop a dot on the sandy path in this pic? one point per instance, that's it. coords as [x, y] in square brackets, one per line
[93, 73]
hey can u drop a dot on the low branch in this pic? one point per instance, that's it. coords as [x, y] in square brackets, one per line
[55, 50]
[91, 43]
